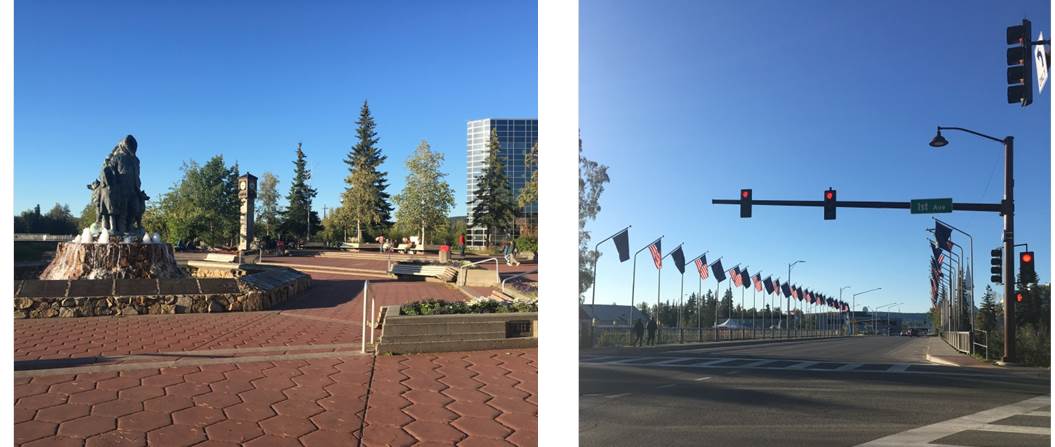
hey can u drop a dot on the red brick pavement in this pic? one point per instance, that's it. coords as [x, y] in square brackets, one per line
[478, 398]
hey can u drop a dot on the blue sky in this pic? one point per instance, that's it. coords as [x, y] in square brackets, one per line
[251, 79]
[689, 101]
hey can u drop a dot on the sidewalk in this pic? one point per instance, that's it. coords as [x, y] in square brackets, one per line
[939, 352]
[291, 376]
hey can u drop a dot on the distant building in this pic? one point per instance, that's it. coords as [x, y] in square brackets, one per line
[515, 139]
[611, 315]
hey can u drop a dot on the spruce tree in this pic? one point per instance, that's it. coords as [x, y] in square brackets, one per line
[364, 199]
[495, 207]
[296, 215]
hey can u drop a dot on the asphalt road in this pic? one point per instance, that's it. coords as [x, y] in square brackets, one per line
[836, 392]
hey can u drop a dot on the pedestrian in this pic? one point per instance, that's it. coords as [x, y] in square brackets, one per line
[639, 332]
[652, 331]
[513, 253]
[507, 252]
[461, 241]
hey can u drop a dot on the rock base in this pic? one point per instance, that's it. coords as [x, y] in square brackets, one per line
[113, 261]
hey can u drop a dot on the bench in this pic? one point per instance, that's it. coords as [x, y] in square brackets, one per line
[444, 272]
[221, 257]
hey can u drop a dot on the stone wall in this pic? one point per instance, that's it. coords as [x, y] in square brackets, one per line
[113, 260]
[98, 297]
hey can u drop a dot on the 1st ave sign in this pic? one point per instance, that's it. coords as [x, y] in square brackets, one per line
[929, 206]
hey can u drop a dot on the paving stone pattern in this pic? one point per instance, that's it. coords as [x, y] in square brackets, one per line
[337, 397]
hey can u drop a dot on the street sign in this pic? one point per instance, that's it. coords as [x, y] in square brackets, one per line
[929, 206]
[1040, 55]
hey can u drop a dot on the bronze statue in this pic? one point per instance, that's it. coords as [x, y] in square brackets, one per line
[118, 199]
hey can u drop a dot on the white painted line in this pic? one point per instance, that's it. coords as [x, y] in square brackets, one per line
[1046, 431]
[644, 360]
[599, 358]
[900, 367]
[978, 421]
[668, 361]
[801, 365]
[754, 363]
[849, 366]
[1046, 414]
[701, 379]
[666, 386]
[616, 396]
[706, 363]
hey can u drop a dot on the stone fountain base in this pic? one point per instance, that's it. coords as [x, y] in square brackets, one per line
[113, 261]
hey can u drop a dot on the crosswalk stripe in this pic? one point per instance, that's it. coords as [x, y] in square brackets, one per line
[1046, 431]
[982, 420]
[900, 367]
[801, 365]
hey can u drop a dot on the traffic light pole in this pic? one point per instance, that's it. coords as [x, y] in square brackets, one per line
[1009, 249]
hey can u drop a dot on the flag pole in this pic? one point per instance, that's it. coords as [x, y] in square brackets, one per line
[593, 288]
[633, 276]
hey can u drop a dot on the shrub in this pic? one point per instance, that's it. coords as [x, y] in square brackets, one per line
[475, 306]
[527, 244]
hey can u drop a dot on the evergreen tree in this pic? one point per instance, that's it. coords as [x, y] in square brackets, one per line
[987, 312]
[494, 207]
[592, 178]
[296, 216]
[426, 198]
[364, 199]
[727, 305]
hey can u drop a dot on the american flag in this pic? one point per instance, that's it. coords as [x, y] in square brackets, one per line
[758, 281]
[656, 256]
[939, 255]
[735, 274]
[795, 292]
[701, 266]
[776, 285]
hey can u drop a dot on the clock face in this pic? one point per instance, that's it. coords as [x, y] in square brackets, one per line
[242, 184]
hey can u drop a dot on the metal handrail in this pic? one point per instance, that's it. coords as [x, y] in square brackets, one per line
[518, 275]
[974, 343]
[497, 276]
[373, 316]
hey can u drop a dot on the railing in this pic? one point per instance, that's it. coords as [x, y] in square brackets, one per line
[986, 345]
[960, 341]
[623, 336]
[518, 275]
[498, 278]
[373, 315]
[40, 237]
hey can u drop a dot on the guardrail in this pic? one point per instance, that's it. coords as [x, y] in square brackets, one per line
[624, 336]
[960, 340]
[373, 316]
[986, 345]
[518, 275]
[498, 277]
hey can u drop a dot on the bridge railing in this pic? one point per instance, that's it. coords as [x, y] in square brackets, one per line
[959, 340]
[624, 336]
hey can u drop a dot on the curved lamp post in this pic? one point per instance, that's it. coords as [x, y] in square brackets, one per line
[853, 306]
[788, 310]
[1008, 211]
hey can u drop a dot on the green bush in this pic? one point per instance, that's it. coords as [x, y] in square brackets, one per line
[480, 306]
[527, 244]
[1033, 345]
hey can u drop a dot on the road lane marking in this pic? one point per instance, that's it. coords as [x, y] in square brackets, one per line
[924, 436]
[616, 396]
[666, 386]
[701, 379]
[1046, 414]
[849, 366]
[800, 365]
[707, 363]
[899, 367]
[1046, 431]
[669, 361]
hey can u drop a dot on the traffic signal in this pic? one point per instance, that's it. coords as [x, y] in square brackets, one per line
[1018, 296]
[829, 204]
[998, 265]
[1026, 266]
[745, 203]
[1020, 64]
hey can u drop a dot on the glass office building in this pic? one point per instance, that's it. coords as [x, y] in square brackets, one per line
[515, 138]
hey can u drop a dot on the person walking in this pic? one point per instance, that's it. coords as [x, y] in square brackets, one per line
[461, 241]
[507, 252]
[652, 326]
[639, 332]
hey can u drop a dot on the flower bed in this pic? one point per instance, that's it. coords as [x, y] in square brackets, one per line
[435, 325]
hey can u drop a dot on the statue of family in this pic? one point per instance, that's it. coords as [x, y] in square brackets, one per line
[119, 202]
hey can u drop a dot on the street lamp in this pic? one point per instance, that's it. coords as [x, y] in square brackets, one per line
[1008, 211]
[788, 310]
[888, 317]
[853, 306]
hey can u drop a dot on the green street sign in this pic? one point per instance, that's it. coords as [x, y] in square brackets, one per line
[930, 206]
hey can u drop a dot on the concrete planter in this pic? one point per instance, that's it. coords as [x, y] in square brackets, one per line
[477, 277]
[463, 332]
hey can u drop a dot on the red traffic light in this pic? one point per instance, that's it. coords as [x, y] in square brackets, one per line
[1027, 257]
[1018, 297]
[745, 193]
[829, 195]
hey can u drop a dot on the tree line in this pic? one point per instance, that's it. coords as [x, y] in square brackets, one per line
[202, 207]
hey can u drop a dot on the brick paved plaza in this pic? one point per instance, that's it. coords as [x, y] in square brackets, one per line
[287, 377]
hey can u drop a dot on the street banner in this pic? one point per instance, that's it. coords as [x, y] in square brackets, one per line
[679, 259]
[944, 235]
